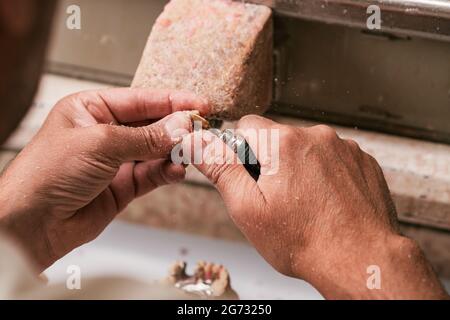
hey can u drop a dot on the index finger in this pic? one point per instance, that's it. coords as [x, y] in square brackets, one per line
[127, 105]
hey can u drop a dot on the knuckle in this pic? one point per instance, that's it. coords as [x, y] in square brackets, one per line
[288, 134]
[353, 144]
[373, 163]
[101, 138]
[82, 97]
[325, 133]
[74, 101]
[77, 96]
[370, 158]
[151, 136]
[104, 132]
[97, 144]
[66, 102]
[246, 121]
[157, 179]
[163, 178]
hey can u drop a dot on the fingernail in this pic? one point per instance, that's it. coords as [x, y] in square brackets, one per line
[178, 125]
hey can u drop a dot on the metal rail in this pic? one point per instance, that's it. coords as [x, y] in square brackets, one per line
[426, 18]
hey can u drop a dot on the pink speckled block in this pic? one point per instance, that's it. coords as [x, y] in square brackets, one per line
[219, 49]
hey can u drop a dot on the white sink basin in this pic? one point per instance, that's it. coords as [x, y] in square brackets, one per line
[145, 254]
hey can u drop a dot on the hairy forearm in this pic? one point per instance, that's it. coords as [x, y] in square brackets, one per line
[394, 269]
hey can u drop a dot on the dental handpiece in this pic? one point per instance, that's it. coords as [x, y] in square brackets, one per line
[242, 149]
[238, 144]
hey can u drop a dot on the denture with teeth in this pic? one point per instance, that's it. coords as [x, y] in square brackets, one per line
[210, 281]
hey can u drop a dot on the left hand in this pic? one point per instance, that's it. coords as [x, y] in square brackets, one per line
[79, 171]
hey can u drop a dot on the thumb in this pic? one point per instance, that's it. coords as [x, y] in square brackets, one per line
[151, 142]
[214, 159]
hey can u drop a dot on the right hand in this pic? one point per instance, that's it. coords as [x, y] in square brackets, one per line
[324, 216]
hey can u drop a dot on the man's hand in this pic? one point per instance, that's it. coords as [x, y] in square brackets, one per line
[84, 166]
[324, 216]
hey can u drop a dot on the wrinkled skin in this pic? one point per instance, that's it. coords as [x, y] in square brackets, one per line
[80, 170]
[76, 175]
[325, 216]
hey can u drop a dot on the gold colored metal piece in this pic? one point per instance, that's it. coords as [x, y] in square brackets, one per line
[195, 117]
